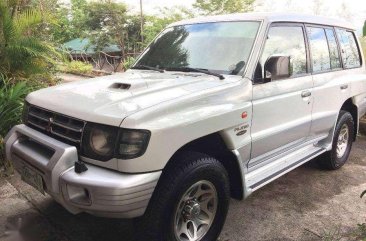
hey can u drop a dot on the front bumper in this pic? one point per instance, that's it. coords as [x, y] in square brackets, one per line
[97, 191]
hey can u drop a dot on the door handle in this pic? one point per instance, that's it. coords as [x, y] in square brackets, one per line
[343, 87]
[305, 94]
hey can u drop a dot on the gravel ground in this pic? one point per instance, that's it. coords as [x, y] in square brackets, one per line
[305, 204]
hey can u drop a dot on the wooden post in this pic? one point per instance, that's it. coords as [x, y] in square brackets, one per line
[142, 23]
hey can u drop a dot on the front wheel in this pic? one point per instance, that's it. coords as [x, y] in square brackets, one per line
[190, 202]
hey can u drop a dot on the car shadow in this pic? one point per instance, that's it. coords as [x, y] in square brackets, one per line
[53, 223]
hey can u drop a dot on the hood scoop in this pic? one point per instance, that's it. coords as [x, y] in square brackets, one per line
[120, 86]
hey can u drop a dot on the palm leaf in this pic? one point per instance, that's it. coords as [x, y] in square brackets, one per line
[11, 104]
[21, 53]
[28, 20]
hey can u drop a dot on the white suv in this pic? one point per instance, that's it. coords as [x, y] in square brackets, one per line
[214, 108]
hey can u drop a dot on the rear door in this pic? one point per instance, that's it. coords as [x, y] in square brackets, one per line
[282, 107]
[332, 76]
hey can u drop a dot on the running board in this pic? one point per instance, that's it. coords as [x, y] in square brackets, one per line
[267, 173]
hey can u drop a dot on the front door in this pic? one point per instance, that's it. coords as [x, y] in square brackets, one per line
[281, 106]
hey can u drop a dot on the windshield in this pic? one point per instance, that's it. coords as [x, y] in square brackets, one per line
[221, 47]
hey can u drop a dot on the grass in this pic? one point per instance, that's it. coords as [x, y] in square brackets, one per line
[334, 234]
[357, 233]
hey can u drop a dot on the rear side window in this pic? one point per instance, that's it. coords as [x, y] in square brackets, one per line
[288, 41]
[319, 49]
[335, 62]
[349, 49]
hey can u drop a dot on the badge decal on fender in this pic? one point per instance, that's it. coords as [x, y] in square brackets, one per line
[241, 130]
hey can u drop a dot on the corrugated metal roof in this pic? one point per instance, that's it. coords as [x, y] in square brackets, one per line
[83, 46]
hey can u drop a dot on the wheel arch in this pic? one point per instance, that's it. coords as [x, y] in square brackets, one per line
[350, 107]
[214, 145]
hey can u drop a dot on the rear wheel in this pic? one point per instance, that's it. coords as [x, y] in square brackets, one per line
[342, 143]
[190, 202]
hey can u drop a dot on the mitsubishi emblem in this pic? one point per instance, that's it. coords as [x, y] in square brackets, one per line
[49, 124]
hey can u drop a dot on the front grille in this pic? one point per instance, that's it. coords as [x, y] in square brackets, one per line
[62, 127]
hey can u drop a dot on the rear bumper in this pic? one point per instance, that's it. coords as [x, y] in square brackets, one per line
[97, 191]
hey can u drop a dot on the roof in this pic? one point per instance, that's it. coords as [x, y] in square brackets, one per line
[270, 17]
[83, 46]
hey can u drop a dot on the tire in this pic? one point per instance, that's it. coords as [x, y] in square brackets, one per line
[186, 171]
[337, 157]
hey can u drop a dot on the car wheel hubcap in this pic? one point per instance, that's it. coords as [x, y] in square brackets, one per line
[195, 212]
[342, 141]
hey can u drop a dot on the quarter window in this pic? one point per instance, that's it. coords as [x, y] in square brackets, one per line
[319, 49]
[349, 50]
[285, 41]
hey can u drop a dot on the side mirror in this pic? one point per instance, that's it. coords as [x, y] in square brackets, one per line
[277, 67]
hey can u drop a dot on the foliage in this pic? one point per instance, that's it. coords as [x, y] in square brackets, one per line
[364, 29]
[209, 7]
[361, 232]
[11, 105]
[129, 61]
[106, 22]
[76, 67]
[21, 52]
[70, 21]
[363, 44]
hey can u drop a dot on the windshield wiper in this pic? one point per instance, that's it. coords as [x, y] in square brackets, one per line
[190, 69]
[142, 66]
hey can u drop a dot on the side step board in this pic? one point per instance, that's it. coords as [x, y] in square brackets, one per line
[271, 171]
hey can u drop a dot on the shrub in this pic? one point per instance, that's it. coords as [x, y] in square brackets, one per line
[77, 67]
[128, 62]
[11, 104]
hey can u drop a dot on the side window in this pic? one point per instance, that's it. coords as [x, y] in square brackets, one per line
[349, 50]
[285, 47]
[319, 49]
[335, 62]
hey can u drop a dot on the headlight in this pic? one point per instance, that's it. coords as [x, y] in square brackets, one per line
[99, 141]
[102, 142]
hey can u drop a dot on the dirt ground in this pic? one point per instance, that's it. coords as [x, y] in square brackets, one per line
[306, 204]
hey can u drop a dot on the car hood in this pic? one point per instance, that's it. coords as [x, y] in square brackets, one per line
[109, 99]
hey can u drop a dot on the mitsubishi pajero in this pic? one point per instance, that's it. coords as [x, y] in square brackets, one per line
[215, 107]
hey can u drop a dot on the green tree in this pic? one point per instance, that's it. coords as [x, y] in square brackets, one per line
[69, 22]
[209, 7]
[364, 29]
[106, 23]
[21, 52]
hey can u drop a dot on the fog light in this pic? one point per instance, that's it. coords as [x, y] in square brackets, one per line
[78, 195]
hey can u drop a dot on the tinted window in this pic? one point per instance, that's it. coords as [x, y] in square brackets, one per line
[335, 62]
[222, 47]
[285, 41]
[349, 50]
[319, 49]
